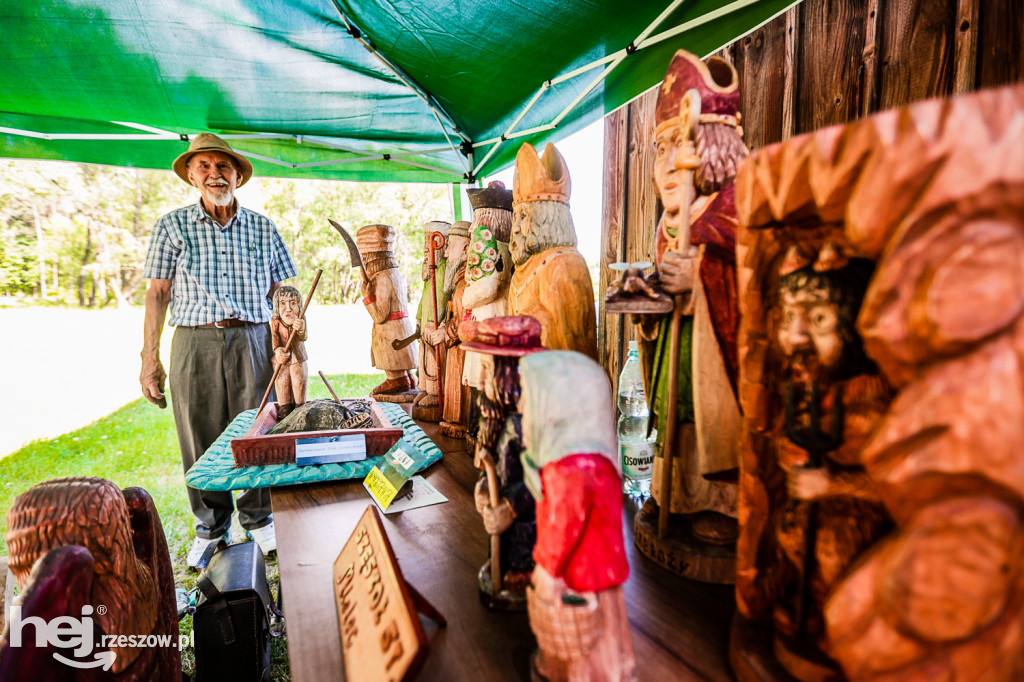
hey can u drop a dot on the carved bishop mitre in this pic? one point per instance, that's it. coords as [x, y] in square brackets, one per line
[544, 178]
[715, 81]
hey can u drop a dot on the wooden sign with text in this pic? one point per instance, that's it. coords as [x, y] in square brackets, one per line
[381, 635]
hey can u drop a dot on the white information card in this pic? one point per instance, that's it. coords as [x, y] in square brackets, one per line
[330, 449]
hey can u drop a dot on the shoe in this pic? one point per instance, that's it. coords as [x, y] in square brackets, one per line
[402, 384]
[265, 537]
[237, 535]
[201, 551]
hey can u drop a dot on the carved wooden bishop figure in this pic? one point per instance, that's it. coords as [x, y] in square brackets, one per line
[456, 394]
[551, 281]
[431, 314]
[696, 261]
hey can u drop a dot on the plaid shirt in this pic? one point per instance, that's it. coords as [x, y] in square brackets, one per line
[217, 272]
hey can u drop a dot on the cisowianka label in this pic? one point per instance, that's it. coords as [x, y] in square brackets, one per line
[637, 460]
[380, 488]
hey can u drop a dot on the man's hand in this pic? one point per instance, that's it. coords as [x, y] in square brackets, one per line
[281, 356]
[366, 289]
[679, 272]
[152, 380]
[299, 327]
[807, 484]
[498, 519]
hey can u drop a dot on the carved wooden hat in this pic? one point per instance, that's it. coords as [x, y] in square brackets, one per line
[543, 178]
[372, 238]
[208, 142]
[716, 81]
[512, 335]
[493, 196]
[460, 228]
[436, 226]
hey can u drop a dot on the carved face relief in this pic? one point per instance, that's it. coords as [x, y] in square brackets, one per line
[289, 308]
[810, 325]
[487, 369]
[522, 223]
[670, 181]
[457, 248]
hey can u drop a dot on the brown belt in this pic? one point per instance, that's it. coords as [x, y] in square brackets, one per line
[231, 322]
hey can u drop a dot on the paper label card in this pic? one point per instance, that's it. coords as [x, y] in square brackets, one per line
[420, 494]
[330, 449]
[380, 488]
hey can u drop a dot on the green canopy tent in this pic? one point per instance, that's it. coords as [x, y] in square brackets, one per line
[396, 90]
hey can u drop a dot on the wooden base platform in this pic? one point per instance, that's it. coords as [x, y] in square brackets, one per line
[406, 397]
[680, 627]
[426, 414]
[681, 551]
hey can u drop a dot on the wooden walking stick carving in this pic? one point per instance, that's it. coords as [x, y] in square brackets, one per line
[437, 242]
[689, 112]
[492, 492]
[291, 338]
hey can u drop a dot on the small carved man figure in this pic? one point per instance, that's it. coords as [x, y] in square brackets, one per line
[834, 397]
[488, 272]
[501, 342]
[291, 379]
[454, 402]
[551, 281]
[427, 405]
[385, 298]
[695, 253]
[576, 605]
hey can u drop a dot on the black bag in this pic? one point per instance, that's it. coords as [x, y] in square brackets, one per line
[233, 616]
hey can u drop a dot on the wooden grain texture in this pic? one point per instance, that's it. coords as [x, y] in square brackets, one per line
[831, 48]
[871, 60]
[965, 59]
[791, 71]
[917, 51]
[613, 235]
[680, 628]
[1000, 43]
[760, 64]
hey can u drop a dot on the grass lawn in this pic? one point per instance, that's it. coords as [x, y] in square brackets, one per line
[137, 446]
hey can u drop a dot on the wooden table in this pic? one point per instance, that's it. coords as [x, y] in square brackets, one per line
[680, 628]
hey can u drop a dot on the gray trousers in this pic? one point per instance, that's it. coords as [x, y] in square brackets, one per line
[216, 374]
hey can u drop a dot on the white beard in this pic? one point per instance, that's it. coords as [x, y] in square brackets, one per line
[222, 198]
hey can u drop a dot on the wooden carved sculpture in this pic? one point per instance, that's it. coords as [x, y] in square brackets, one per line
[576, 605]
[456, 394]
[689, 523]
[900, 557]
[431, 314]
[502, 497]
[79, 544]
[291, 379]
[385, 298]
[488, 272]
[551, 281]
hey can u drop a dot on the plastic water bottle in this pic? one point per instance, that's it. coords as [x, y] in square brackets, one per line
[636, 450]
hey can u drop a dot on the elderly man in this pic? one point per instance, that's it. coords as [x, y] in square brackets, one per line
[217, 265]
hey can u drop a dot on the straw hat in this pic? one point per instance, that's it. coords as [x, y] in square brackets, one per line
[208, 142]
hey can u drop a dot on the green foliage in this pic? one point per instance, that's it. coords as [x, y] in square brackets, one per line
[301, 210]
[90, 225]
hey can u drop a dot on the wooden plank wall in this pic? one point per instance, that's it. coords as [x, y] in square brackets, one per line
[823, 62]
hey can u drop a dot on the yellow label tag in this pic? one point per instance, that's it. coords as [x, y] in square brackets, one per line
[380, 488]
